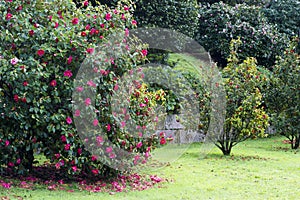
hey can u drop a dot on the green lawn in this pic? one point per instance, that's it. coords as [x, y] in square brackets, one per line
[257, 169]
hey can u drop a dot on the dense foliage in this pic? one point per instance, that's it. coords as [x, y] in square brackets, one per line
[42, 47]
[220, 23]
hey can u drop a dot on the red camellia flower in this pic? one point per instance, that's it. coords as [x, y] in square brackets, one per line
[95, 171]
[24, 100]
[75, 21]
[68, 73]
[83, 34]
[67, 147]
[90, 50]
[63, 138]
[144, 52]
[40, 52]
[108, 16]
[94, 157]
[86, 3]
[162, 141]
[25, 83]
[31, 32]
[53, 83]
[133, 22]
[16, 98]
[108, 127]
[8, 16]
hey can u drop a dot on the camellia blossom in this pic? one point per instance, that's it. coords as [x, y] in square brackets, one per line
[134, 22]
[87, 101]
[162, 141]
[69, 60]
[68, 73]
[90, 50]
[79, 89]
[63, 138]
[139, 145]
[31, 32]
[75, 21]
[108, 127]
[14, 61]
[77, 113]
[8, 16]
[69, 120]
[95, 122]
[144, 52]
[53, 83]
[6, 143]
[40, 52]
[67, 147]
[86, 3]
[109, 149]
[108, 17]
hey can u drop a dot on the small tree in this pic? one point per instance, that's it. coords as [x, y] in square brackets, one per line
[245, 116]
[284, 95]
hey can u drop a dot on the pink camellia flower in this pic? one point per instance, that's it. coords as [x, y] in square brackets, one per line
[90, 50]
[108, 127]
[11, 164]
[95, 171]
[99, 139]
[68, 73]
[77, 113]
[142, 105]
[57, 155]
[126, 32]
[40, 52]
[69, 60]
[116, 87]
[79, 89]
[18, 161]
[74, 168]
[123, 16]
[91, 83]
[56, 24]
[108, 17]
[6, 143]
[123, 124]
[63, 138]
[139, 145]
[67, 147]
[14, 61]
[95, 122]
[86, 3]
[31, 32]
[94, 158]
[8, 16]
[53, 83]
[75, 21]
[126, 8]
[69, 120]
[112, 155]
[134, 22]
[144, 52]
[87, 101]
[6, 185]
[109, 149]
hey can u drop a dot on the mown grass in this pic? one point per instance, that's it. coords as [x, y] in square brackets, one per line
[257, 169]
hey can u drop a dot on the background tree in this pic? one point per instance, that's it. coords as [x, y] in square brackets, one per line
[283, 96]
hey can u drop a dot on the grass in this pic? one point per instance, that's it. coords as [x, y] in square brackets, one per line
[257, 169]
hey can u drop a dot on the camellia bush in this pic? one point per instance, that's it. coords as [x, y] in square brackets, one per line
[43, 44]
[219, 23]
[245, 115]
[283, 95]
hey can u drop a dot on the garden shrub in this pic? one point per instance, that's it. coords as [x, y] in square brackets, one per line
[220, 23]
[245, 116]
[42, 47]
[283, 95]
[286, 14]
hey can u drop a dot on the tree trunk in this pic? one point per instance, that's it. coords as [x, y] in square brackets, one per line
[296, 143]
[225, 147]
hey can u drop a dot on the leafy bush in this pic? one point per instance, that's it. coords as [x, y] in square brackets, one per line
[42, 48]
[286, 14]
[245, 116]
[220, 23]
[283, 95]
